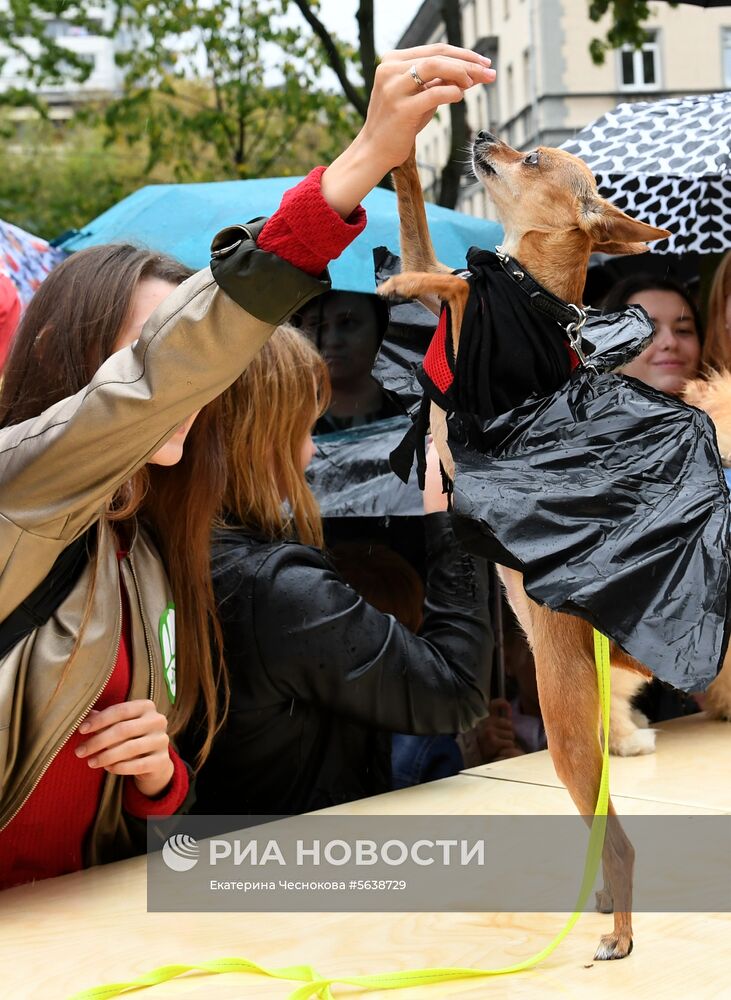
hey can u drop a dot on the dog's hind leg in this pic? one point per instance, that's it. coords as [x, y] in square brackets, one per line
[569, 699]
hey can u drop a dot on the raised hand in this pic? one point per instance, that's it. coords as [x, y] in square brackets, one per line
[409, 86]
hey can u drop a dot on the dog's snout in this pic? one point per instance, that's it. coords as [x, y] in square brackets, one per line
[486, 137]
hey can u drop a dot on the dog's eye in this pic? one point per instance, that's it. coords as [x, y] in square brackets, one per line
[532, 159]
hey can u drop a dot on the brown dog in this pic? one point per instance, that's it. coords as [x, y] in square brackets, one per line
[554, 219]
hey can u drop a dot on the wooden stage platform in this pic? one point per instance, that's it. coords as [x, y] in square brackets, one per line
[83, 930]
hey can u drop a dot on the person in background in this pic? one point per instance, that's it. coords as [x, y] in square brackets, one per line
[383, 578]
[320, 678]
[674, 355]
[347, 329]
[10, 310]
[717, 346]
[514, 725]
[387, 581]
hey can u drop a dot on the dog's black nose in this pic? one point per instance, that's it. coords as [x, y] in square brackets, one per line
[487, 137]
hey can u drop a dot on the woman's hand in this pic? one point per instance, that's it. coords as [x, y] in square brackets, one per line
[130, 738]
[399, 109]
[434, 498]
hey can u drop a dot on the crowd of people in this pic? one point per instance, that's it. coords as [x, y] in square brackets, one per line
[176, 633]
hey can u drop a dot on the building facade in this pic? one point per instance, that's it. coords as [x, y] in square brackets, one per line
[93, 46]
[548, 88]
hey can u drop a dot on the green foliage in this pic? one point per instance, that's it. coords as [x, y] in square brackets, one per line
[55, 178]
[221, 89]
[52, 180]
[44, 62]
[225, 89]
[628, 17]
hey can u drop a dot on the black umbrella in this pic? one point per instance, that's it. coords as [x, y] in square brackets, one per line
[669, 163]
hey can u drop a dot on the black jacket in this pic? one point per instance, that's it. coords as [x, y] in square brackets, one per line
[319, 677]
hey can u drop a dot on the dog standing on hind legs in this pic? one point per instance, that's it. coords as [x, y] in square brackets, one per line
[553, 219]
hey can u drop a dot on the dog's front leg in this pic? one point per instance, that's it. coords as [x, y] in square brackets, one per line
[417, 249]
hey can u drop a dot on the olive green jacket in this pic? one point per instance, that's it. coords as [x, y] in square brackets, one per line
[57, 472]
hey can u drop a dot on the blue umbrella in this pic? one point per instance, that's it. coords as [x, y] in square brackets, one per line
[182, 219]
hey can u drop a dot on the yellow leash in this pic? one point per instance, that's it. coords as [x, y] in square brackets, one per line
[317, 986]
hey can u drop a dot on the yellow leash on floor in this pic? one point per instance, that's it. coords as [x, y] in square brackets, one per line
[319, 986]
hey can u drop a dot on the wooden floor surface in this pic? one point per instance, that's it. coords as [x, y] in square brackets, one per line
[67, 934]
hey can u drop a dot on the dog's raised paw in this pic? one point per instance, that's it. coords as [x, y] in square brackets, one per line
[613, 946]
[397, 287]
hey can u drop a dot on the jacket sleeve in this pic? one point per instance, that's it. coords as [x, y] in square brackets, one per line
[57, 469]
[320, 642]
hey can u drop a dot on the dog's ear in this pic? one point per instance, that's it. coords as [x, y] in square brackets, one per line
[613, 231]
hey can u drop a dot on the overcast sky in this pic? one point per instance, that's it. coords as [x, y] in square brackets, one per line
[392, 17]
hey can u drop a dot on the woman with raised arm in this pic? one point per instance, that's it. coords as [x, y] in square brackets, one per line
[105, 509]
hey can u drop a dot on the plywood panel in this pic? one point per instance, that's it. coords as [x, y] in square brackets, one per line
[692, 766]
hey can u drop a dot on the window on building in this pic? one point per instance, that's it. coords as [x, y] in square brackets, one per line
[511, 91]
[527, 89]
[56, 27]
[640, 68]
[726, 42]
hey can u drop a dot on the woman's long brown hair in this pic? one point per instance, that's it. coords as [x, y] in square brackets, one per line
[69, 329]
[267, 413]
[717, 346]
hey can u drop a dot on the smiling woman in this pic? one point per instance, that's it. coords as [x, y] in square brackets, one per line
[674, 356]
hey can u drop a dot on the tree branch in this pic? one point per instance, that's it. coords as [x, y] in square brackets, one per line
[337, 65]
[452, 174]
[367, 43]
[286, 141]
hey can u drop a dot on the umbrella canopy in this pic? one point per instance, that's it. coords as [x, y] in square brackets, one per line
[669, 163]
[182, 219]
[25, 259]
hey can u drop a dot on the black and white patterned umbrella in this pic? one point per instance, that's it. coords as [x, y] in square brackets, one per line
[668, 163]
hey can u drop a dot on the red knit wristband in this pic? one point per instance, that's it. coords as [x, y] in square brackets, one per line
[306, 231]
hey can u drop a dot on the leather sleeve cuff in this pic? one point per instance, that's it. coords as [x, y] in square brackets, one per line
[263, 284]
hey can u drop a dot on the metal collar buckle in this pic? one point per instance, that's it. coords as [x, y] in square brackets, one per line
[573, 332]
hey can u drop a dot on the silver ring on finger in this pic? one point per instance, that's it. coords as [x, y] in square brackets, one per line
[416, 78]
